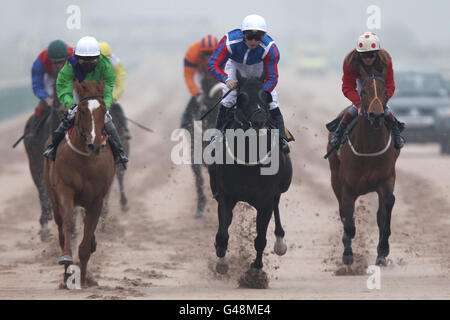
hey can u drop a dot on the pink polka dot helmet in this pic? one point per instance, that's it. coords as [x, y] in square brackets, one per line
[368, 41]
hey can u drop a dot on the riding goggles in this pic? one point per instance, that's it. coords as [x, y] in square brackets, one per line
[88, 59]
[368, 54]
[254, 35]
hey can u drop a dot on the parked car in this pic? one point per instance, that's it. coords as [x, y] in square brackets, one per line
[422, 101]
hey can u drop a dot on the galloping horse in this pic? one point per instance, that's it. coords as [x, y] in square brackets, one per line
[366, 163]
[34, 147]
[213, 90]
[244, 182]
[81, 174]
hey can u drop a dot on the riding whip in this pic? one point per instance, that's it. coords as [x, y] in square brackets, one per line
[139, 125]
[209, 111]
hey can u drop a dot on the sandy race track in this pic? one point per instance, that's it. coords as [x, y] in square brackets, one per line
[157, 250]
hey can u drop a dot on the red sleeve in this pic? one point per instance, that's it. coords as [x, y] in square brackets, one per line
[389, 81]
[349, 85]
[70, 49]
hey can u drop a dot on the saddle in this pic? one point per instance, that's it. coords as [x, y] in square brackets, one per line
[332, 126]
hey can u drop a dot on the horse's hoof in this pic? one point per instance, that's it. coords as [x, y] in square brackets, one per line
[124, 203]
[198, 215]
[222, 266]
[45, 234]
[125, 207]
[347, 260]
[280, 247]
[65, 259]
[381, 261]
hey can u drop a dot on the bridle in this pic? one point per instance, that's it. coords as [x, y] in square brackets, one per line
[364, 108]
[243, 120]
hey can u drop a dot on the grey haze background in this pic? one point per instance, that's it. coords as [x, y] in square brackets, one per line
[140, 31]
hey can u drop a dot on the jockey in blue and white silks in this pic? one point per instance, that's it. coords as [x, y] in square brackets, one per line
[233, 54]
[248, 50]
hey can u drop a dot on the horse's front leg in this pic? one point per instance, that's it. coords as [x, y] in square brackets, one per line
[262, 222]
[346, 210]
[88, 245]
[386, 201]
[65, 207]
[225, 212]
[280, 247]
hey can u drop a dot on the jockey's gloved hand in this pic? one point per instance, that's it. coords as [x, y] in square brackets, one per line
[71, 111]
[200, 98]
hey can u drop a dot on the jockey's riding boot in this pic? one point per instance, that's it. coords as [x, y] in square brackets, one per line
[58, 135]
[278, 117]
[114, 143]
[394, 125]
[338, 134]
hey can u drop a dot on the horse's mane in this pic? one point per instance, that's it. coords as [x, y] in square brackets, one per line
[88, 88]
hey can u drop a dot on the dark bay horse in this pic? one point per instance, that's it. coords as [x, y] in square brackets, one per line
[245, 182]
[366, 163]
[81, 174]
[213, 91]
[34, 147]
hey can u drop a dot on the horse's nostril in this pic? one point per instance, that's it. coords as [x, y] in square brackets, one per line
[91, 147]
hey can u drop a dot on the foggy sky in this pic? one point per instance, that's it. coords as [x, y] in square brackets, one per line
[138, 28]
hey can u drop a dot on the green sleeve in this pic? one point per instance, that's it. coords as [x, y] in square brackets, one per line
[64, 85]
[109, 79]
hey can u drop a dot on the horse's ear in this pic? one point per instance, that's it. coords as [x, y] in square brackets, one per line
[239, 78]
[77, 87]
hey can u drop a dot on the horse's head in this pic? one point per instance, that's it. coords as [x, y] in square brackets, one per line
[90, 117]
[252, 104]
[373, 97]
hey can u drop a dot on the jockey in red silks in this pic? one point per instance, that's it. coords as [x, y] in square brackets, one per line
[43, 77]
[373, 59]
[248, 50]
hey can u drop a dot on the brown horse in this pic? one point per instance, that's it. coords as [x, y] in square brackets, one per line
[81, 174]
[366, 163]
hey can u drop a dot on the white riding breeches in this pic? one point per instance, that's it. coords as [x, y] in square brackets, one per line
[254, 70]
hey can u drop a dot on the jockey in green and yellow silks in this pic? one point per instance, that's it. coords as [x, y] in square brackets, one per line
[87, 64]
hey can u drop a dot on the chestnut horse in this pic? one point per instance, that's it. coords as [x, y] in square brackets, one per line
[81, 174]
[366, 163]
